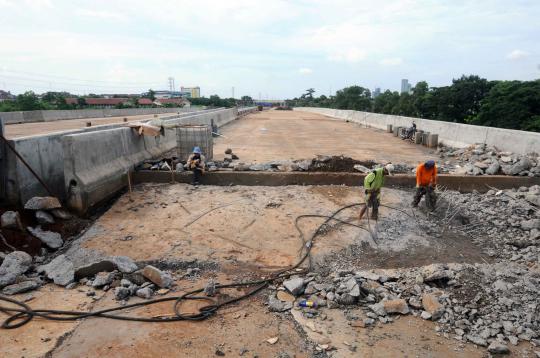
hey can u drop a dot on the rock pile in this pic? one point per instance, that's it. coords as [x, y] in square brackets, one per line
[479, 159]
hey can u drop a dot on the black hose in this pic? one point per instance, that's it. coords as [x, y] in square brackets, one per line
[18, 317]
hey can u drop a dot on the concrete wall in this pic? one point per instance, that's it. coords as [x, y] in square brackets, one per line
[96, 163]
[45, 154]
[452, 134]
[55, 115]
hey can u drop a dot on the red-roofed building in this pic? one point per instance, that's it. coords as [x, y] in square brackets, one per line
[145, 102]
[105, 102]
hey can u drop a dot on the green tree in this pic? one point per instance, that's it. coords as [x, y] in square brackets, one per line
[354, 97]
[28, 101]
[151, 94]
[246, 101]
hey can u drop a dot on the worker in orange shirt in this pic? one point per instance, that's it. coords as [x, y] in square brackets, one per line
[426, 180]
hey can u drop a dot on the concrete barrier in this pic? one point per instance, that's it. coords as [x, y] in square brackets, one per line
[55, 115]
[452, 134]
[96, 163]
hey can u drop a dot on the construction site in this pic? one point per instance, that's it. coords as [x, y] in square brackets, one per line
[108, 250]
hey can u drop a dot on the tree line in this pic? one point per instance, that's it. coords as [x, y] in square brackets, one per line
[469, 99]
[30, 101]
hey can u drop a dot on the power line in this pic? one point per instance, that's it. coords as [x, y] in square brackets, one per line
[49, 82]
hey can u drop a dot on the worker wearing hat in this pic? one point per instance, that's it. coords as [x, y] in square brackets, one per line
[373, 182]
[196, 163]
[426, 180]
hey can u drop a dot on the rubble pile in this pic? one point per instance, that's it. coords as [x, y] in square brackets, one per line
[479, 159]
[491, 304]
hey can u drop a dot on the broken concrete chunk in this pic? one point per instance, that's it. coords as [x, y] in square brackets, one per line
[94, 268]
[396, 306]
[275, 305]
[22, 287]
[11, 220]
[42, 203]
[498, 348]
[425, 315]
[352, 287]
[145, 292]
[493, 168]
[378, 308]
[477, 340]
[60, 270]
[122, 293]
[368, 275]
[14, 265]
[432, 306]
[530, 224]
[44, 217]
[53, 240]
[61, 214]
[103, 278]
[124, 264]
[160, 278]
[294, 285]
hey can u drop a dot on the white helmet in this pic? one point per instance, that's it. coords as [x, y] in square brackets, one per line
[389, 168]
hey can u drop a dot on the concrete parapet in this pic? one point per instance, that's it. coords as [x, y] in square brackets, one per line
[452, 134]
[389, 128]
[433, 140]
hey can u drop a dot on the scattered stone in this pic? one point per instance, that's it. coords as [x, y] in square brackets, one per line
[102, 279]
[396, 306]
[228, 151]
[60, 270]
[22, 287]
[272, 340]
[294, 285]
[53, 240]
[122, 293]
[44, 217]
[11, 220]
[285, 296]
[93, 268]
[378, 308]
[432, 306]
[210, 288]
[479, 341]
[160, 278]
[275, 305]
[14, 265]
[425, 315]
[42, 203]
[124, 264]
[498, 348]
[145, 292]
[61, 214]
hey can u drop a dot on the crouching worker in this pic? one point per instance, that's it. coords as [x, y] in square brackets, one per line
[373, 183]
[426, 180]
[196, 163]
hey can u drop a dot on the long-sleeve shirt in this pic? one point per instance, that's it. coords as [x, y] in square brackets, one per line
[374, 180]
[191, 162]
[425, 176]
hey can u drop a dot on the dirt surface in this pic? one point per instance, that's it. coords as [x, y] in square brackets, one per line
[231, 234]
[281, 135]
[31, 129]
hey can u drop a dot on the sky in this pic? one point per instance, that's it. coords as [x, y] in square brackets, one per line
[271, 49]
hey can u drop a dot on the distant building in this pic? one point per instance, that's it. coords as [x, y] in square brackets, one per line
[145, 102]
[405, 86]
[376, 92]
[180, 102]
[6, 96]
[195, 92]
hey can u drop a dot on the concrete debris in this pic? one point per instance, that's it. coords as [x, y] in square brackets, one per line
[285, 297]
[43, 203]
[14, 265]
[396, 306]
[145, 292]
[61, 214]
[44, 217]
[93, 268]
[124, 264]
[122, 293]
[53, 240]
[498, 348]
[160, 278]
[22, 287]
[276, 305]
[60, 270]
[11, 220]
[103, 279]
[294, 285]
[432, 306]
[210, 288]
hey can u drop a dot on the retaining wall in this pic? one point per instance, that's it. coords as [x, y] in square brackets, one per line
[452, 134]
[96, 164]
[55, 115]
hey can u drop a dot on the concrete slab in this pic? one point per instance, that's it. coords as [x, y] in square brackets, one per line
[281, 135]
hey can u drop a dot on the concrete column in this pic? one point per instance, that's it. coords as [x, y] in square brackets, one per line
[3, 164]
[389, 128]
[396, 131]
[425, 136]
[433, 140]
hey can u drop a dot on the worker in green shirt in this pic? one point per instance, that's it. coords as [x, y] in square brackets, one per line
[373, 182]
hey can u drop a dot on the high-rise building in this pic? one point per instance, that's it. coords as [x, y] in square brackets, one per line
[405, 86]
[195, 91]
[376, 92]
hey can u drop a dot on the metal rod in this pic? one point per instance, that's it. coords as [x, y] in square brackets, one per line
[26, 165]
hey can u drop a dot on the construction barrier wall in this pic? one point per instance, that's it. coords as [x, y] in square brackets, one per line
[55, 115]
[451, 134]
[45, 154]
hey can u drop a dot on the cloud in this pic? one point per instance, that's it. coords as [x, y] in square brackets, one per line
[517, 55]
[352, 55]
[305, 71]
[392, 61]
[101, 14]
